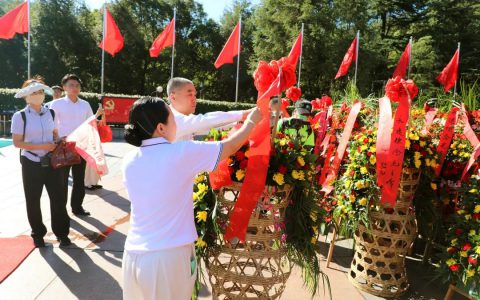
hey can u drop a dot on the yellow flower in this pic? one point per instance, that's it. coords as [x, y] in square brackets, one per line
[453, 242]
[195, 197]
[202, 216]
[359, 185]
[450, 262]
[347, 183]
[278, 178]
[423, 144]
[455, 152]
[478, 250]
[407, 144]
[470, 272]
[283, 142]
[477, 209]
[373, 149]
[363, 201]
[433, 186]
[468, 217]
[240, 174]
[472, 232]
[413, 137]
[463, 254]
[351, 198]
[417, 164]
[301, 161]
[373, 160]
[202, 187]
[313, 240]
[298, 175]
[199, 178]
[200, 243]
[460, 212]
[363, 170]
[473, 191]
[417, 155]
[363, 148]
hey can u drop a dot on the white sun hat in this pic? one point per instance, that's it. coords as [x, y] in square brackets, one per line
[33, 87]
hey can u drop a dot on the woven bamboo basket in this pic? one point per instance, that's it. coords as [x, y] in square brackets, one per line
[258, 268]
[378, 265]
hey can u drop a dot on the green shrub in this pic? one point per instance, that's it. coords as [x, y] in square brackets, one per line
[10, 104]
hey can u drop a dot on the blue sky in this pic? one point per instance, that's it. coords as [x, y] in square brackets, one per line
[214, 8]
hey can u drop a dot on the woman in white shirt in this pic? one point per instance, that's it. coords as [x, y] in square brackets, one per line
[159, 258]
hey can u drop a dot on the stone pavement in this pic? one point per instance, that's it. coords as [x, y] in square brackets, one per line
[91, 267]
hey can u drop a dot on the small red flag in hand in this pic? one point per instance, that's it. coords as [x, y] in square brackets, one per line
[402, 66]
[230, 50]
[350, 56]
[14, 21]
[296, 51]
[448, 76]
[164, 39]
[113, 40]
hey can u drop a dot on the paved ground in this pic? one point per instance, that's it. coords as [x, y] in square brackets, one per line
[91, 267]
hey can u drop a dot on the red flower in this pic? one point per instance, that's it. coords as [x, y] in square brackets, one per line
[365, 140]
[467, 246]
[240, 155]
[321, 104]
[472, 260]
[294, 93]
[291, 145]
[454, 267]
[416, 147]
[458, 231]
[451, 250]
[395, 89]
[328, 219]
[352, 173]
[264, 75]
[369, 153]
[282, 169]
[476, 217]
[334, 202]
[285, 103]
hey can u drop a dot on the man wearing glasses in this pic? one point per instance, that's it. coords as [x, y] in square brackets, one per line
[70, 113]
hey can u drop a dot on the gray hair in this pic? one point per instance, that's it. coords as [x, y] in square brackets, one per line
[175, 83]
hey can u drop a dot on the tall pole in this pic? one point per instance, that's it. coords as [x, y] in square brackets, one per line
[300, 62]
[238, 55]
[103, 45]
[410, 44]
[28, 39]
[356, 56]
[458, 66]
[174, 38]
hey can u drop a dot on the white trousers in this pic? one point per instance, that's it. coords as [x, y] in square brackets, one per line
[163, 275]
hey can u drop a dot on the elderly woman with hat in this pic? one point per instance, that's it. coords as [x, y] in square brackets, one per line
[34, 132]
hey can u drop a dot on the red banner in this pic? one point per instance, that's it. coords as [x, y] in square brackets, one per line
[342, 146]
[117, 109]
[472, 138]
[446, 138]
[385, 124]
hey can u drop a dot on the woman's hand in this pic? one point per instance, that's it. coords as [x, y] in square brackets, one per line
[254, 116]
[49, 147]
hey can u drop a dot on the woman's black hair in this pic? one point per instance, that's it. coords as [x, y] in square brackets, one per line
[145, 115]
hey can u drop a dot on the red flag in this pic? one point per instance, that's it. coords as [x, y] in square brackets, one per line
[113, 38]
[164, 39]
[448, 76]
[230, 50]
[296, 51]
[402, 66]
[350, 56]
[14, 21]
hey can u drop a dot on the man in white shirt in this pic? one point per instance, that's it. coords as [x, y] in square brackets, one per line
[183, 98]
[70, 113]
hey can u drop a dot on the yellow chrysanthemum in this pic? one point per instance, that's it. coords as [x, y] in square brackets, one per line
[199, 178]
[418, 163]
[202, 187]
[363, 148]
[359, 185]
[283, 142]
[363, 170]
[240, 174]
[477, 209]
[450, 262]
[470, 272]
[372, 149]
[417, 155]
[301, 161]
[477, 250]
[279, 178]
[463, 254]
[472, 232]
[407, 144]
[363, 201]
[453, 242]
[373, 160]
[200, 243]
[351, 198]
[433, 186]
[202, 216]
[195, 197]
[423, 144]
[348, 183]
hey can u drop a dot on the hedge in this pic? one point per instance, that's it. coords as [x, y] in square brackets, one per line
[9, 104]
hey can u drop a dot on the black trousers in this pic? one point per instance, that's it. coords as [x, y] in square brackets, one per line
[78, 191]
[34, 178]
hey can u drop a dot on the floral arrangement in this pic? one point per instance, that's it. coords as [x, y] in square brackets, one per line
[460, 261]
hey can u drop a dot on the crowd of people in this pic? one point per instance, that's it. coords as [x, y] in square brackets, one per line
[158, 175]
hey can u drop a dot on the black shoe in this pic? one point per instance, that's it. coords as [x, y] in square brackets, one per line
[97, 186]
[90, 188]
[39, 242]
[65, 242]
[81, 212]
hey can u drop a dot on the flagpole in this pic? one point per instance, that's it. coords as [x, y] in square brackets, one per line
[103, 46]
[410, 57]
[356, 56]
[300, 62]
[174, 38]
[458, 66]
[238, 55]
[28, 39]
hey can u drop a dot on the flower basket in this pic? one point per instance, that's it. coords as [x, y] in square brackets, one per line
[378, 265]
[258, 268]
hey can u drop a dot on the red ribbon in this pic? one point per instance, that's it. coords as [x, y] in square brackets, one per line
[472, 138]
[347, 132]
[385, 124]
[446, 138]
